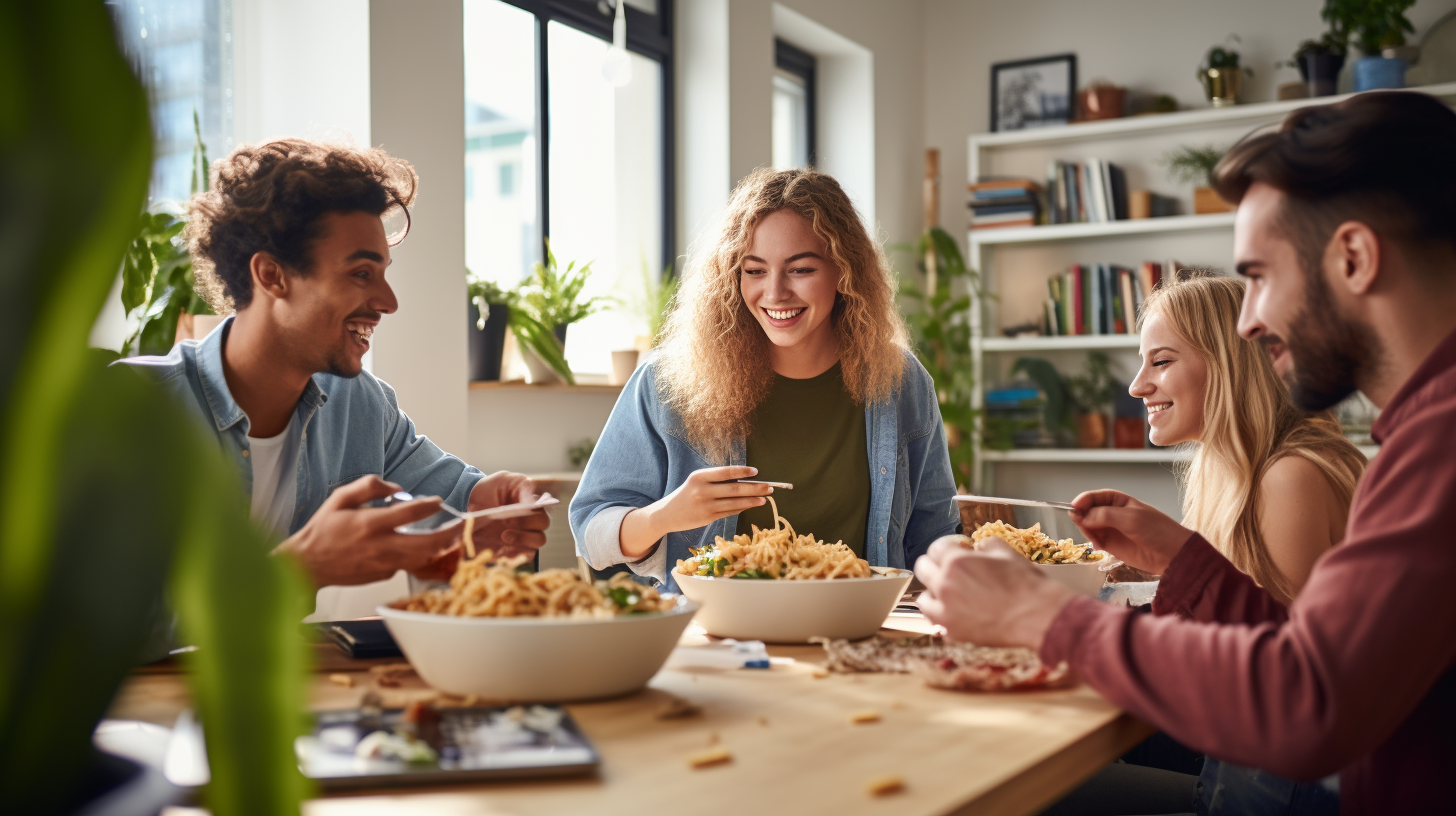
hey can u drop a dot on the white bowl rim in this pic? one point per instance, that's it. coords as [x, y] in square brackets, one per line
[880, 574]
[685, 606]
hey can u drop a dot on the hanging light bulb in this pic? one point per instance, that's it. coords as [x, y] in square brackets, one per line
[617, 67]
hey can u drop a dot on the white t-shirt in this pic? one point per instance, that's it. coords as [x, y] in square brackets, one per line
[275, 477]
[275, 495]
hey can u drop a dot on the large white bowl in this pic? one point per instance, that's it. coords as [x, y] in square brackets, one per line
[794, 611]
[539, 660]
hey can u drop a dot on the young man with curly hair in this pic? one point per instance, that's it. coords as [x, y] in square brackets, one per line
[291, 243]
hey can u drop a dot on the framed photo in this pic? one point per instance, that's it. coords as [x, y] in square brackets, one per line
[1033, 93]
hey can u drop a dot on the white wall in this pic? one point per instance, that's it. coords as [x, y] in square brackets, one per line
[1146, 45]
[417, 111]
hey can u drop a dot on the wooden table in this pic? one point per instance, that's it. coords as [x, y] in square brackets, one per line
[794, 747]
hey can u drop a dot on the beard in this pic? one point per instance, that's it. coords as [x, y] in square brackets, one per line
[1330, 353]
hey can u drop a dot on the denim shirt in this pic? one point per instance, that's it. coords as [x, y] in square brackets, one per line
[643, 455]
[351, 427]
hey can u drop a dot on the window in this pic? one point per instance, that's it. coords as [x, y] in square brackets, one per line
[182, 50]
[793, 107]
[599, 183]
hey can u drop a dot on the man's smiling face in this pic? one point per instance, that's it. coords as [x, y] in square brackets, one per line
[1291, 310]
[333, 310]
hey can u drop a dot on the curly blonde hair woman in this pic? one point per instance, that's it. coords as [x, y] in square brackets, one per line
[1268, 485]
[784, 355]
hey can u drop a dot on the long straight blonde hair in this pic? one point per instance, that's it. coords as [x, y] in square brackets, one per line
[714, 370]
[1249, 422]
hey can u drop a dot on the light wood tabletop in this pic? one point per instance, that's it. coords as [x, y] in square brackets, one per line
[794, 747]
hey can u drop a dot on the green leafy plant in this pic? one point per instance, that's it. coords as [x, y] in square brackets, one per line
[579, 453]
[652, 303]
[485, 294]
[1374, 24]
[940, 330]
[550, 300]
[1094, 389]
[1225, 55]
[114, 496]
[1329, 43]
[156, 272]
[552, 296]
[1192, 164]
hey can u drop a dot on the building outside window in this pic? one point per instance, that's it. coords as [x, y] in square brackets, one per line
[598, 186]
[793, 107]
[182, 51]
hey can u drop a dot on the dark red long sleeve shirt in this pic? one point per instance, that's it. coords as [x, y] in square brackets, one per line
[1357, 676]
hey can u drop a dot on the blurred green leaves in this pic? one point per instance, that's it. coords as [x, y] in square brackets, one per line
[940, 330]
[112, 492]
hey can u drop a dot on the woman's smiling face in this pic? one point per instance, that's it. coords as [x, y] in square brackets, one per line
[1171, 383]
[790, 285]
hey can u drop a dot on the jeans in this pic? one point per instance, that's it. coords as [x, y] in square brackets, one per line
[1233, 790]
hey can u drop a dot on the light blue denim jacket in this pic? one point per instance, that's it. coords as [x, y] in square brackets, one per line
[351, 427]
[643, 455]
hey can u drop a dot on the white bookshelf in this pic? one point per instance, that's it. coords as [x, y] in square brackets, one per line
[1088, 455]
[1015, 262]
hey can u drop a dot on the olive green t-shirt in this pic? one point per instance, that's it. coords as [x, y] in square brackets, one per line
[811, 434]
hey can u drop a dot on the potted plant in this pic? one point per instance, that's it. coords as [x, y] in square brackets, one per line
[1193, 164]
[1375, 25]
[1221, 74]
[489, 313]
[546, 304]
[1320, 62]
[1092, 393]
[940, 333]
[156, 273]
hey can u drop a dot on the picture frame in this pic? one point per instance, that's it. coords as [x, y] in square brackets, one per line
[1038, 92]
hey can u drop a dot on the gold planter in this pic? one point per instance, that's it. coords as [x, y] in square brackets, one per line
[1221, 85]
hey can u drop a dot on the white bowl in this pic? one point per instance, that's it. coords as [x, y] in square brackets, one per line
[539, 660]
[777, 611]
[1087, 577]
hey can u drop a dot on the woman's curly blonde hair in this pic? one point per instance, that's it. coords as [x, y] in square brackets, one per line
[713, 369]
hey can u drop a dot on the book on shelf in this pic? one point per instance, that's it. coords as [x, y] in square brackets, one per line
[1007, 202]
[1092, 299]
[1091, 191]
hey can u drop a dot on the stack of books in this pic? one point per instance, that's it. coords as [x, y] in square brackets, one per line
[1012, 202]
[1092, 191]
[1100, 298]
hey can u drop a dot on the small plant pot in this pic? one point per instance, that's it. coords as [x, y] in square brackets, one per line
[487, 346]
[1206, 200]
[1129, 432]
[1221, 85]
[1091, 431]
[1372, 73]
[624, 362]
[1101, 102]
[538, 372]
[1321, 70]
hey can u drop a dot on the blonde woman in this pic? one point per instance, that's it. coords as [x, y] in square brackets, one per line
[1268, 485]
[784, 359]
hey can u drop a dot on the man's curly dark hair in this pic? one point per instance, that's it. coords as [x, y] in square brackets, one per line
[272, 197]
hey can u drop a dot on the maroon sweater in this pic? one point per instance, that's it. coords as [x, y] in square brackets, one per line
[1358, 675]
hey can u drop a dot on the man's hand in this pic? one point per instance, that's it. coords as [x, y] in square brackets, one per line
[989, 597]
[1129, 529]
[507, 536]
[346, 543]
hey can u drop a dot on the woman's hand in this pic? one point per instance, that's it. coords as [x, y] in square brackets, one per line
[1129, 529]
[706, 496]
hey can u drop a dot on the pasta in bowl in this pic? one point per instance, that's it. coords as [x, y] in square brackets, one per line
[550, 636]
[778, 586]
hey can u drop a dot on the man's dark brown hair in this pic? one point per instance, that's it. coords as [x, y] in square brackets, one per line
[272, 198]
[1386, 159]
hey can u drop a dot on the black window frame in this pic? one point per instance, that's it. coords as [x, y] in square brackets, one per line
[804, 65]
[649, 35]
